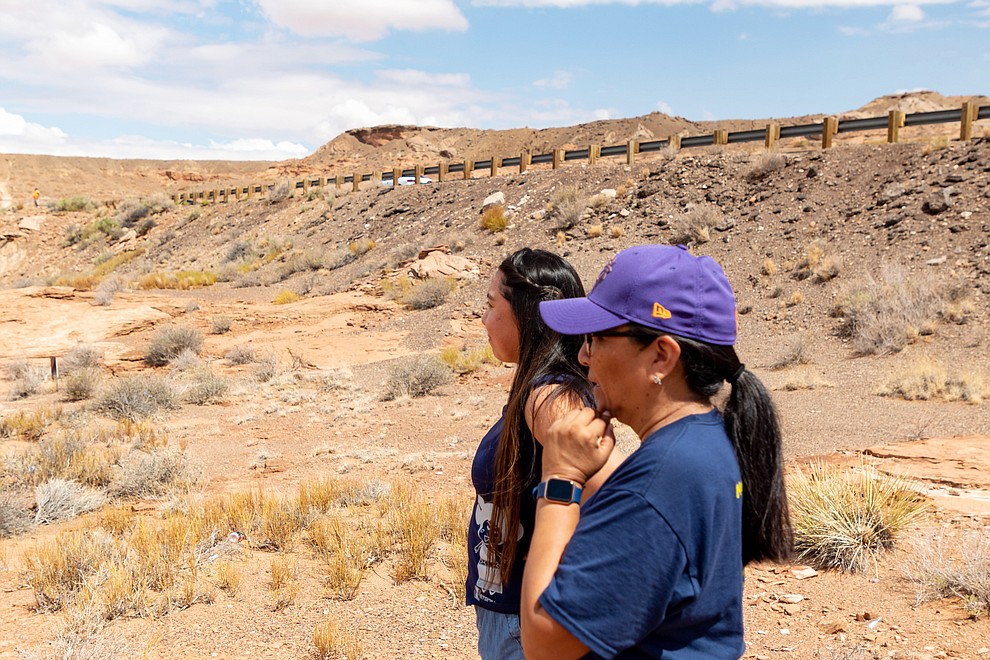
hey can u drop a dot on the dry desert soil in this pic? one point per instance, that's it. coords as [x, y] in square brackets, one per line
[800, 237]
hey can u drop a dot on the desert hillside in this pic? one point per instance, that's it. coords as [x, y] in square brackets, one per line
[863, 279]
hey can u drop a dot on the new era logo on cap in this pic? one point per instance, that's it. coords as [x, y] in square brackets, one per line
[660, 312]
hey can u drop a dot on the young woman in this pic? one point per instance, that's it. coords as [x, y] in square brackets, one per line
[652, 565]
[548, 381]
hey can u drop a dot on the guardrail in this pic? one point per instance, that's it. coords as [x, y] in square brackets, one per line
[770, 136]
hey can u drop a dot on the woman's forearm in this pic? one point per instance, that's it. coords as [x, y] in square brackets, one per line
[542, 636]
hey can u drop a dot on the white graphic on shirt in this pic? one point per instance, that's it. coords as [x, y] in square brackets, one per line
[488, 580]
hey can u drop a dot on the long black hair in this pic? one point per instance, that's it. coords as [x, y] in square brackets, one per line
[528, 278]
[754, 428]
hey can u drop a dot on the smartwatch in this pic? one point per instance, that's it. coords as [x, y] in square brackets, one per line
[562, 491]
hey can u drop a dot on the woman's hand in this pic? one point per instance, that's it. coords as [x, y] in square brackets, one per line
[577, 445]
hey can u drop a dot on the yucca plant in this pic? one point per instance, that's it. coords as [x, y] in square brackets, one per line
[844, 518]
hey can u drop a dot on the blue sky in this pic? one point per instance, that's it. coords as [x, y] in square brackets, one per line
[276, 79]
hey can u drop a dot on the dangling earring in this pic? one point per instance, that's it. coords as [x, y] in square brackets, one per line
[656, 380]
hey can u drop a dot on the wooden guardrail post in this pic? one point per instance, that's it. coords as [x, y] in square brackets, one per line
[417, 174]
[496, 163]
[468, 168]
[720, 137]
[442, 172]
[632, 147]
[830, 126]
[895, 119]
[525, 160]
[396, 175]
[674, 142]
[558, 158]
[250, 191]
[376, 177]
[772, 136]
[53, 361]
[216, 196]
[305, 187]
[966, 118]
[355, 182]
[591, 154]
[339, 181]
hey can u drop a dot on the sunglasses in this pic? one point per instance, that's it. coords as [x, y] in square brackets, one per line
[590, 337]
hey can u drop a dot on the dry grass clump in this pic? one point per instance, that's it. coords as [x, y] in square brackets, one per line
[881, 316]
[595, 230]
[180, 280]
[413, 520]
[926, 380]
[361, 246]
[494, 219]
[567, 204]
[807, 380]
[465, 360]
[285, 297]
[332, 639]
[345, 555]
[695, 226]
[416, 377]
[797, 350]
[817, 265]
[57, 500]
[844, 518]
[138, 397]
[284, 582]
[944, 566]
[69, 455]
[170, 341]
[431, 292]
[764, 164]
[30, 425]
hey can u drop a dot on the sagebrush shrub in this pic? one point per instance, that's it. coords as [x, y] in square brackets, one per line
[154, 473]
[494, 219]
[431, 292]
[58, 500]
[417, 377]
[81, 384]
[695, 226]
[170, 341]
[220, 324]
[567, 204]
[138, 397]
[765, 164]
[207, 387]
[240, 355]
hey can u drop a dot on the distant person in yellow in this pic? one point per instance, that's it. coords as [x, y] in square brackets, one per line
[35, 195]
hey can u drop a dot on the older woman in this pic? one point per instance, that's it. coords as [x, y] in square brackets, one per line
[652, 564]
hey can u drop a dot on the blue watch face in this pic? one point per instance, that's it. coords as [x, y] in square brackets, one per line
[559, 490]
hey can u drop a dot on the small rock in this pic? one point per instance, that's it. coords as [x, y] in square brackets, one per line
[496, 198]
[804, 572]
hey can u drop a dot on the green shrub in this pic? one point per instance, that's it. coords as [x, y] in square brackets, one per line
[170, 341]
[74, 204]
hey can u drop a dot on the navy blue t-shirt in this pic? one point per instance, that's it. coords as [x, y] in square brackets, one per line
[484, 586]
[654, 568]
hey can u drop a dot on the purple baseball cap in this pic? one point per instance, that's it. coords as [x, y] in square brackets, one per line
[663, 287]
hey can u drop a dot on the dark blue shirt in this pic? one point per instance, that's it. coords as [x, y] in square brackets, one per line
[484, 586]
[654, 569]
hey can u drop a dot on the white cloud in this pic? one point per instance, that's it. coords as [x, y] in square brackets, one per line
[716, 5]
[362, 20]
[906, 14]
[15, 129]
[664, 107]
[559, 80]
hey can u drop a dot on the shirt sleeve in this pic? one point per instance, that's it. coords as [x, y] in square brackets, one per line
[621, 574]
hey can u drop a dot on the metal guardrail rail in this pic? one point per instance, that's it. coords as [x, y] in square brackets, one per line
[966, 116]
